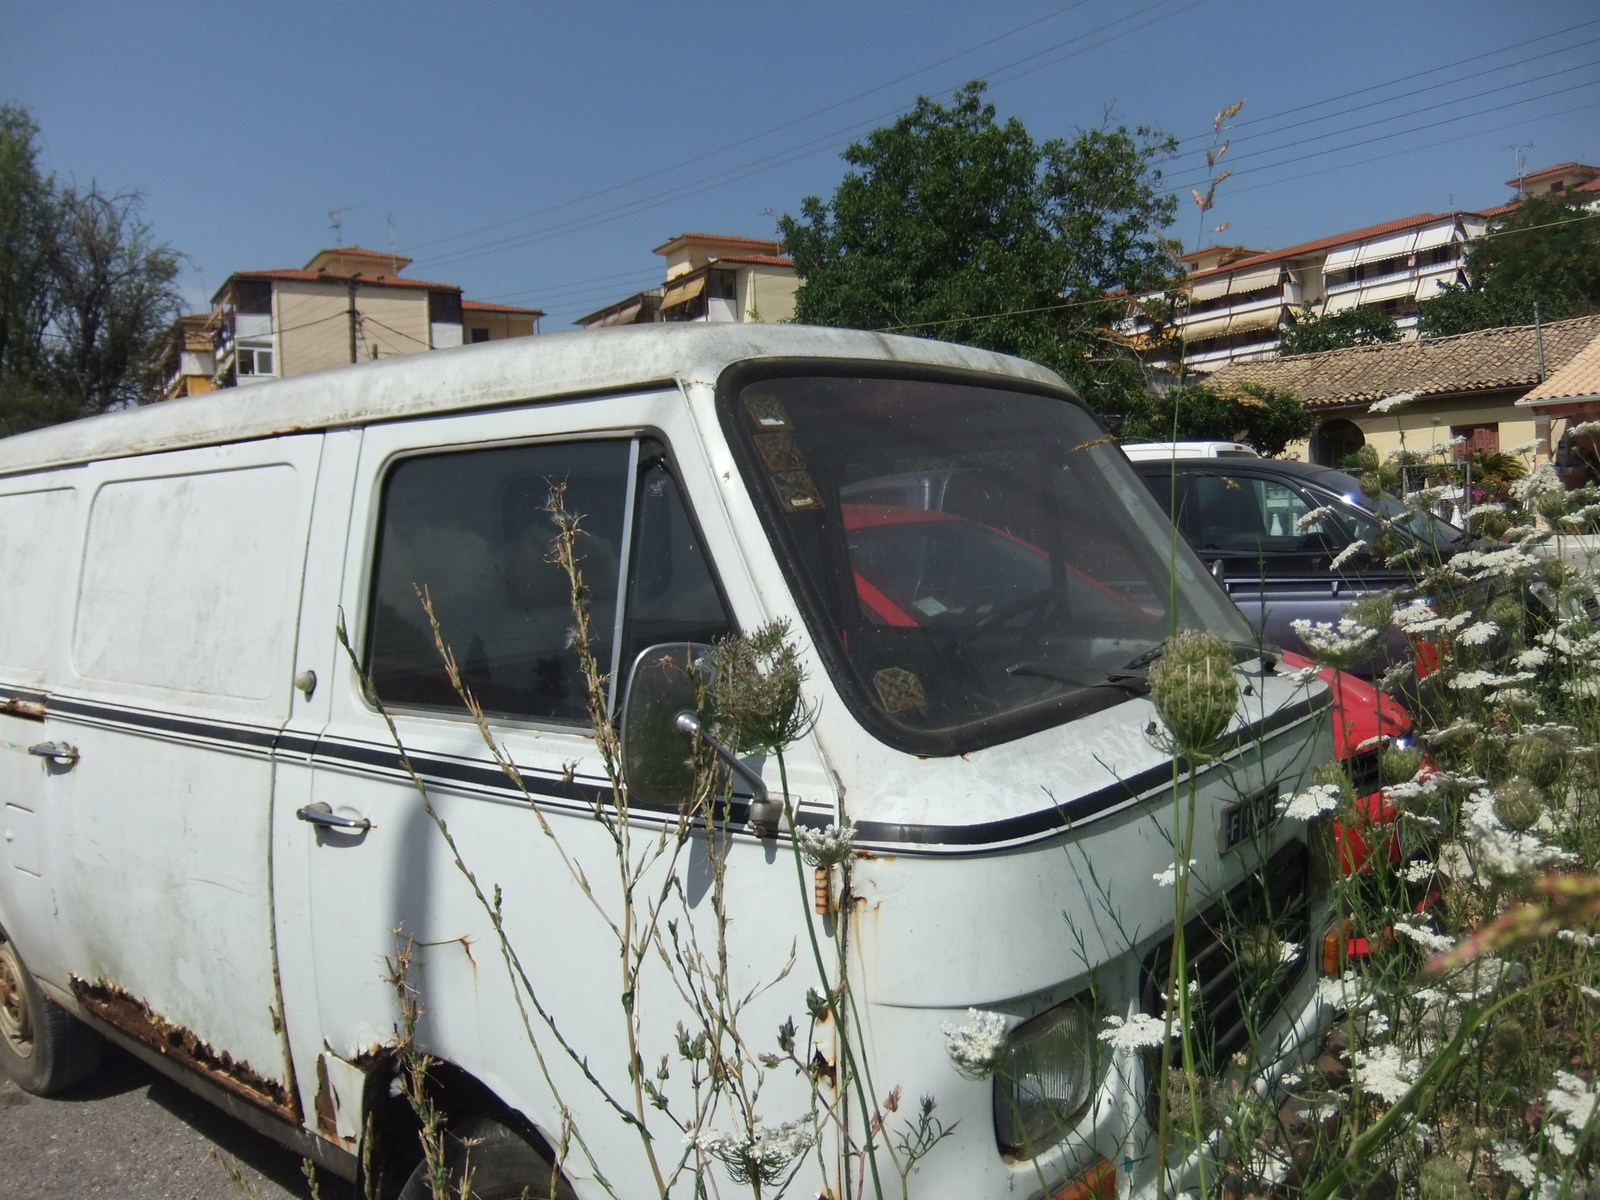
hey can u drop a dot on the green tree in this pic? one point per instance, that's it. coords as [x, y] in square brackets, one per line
[85, 290]
[1260, 416]
[1544, 252]
[953, 225]
[1312, 332]
[27, 220]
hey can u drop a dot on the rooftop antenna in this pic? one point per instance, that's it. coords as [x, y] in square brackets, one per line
[389, 217]
[335, 224]
[1522, 161]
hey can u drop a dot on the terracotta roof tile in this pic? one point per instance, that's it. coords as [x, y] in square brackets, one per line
[1578, 380]
[757, 260]
[301, 275]
[1486, 360]
[484, 306]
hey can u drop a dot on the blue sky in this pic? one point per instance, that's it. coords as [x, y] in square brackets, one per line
[535, 153]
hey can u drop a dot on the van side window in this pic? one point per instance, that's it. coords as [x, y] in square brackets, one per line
[474, 528]
[672, 595]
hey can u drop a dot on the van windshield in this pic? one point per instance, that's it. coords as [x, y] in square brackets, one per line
[974, 562]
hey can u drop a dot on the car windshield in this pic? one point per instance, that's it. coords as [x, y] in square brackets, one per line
[1430, 531]
[972, 560]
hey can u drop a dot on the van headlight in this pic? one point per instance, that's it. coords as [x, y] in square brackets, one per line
[1044, 1079]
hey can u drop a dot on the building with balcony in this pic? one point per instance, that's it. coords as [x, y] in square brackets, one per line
[346, 305]
[1235, 300]
[710, 278]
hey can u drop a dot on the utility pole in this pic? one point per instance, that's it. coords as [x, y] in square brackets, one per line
[351, 285]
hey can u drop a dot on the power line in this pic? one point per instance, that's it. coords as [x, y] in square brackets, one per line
[780, 157]
[765, 133]
[1414, 112]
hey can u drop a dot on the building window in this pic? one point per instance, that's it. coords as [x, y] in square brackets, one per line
[478, 334]
[254, 360]
[1476, 439]
[722, 285]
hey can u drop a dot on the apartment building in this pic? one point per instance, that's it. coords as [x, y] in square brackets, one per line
[1238, 299]
[346, 305]
[710, 277]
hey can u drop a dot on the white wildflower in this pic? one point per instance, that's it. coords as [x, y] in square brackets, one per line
[976, 1047]
[1314, 801]
[1384, 1072]
[1585, 429]
[1502, 851]
[1531, 658]
[1433, 943]
[1417, 617]
[1478, 634]
[1514, 1161]
[1541, 481]
[1590, 992]
[1138, 1032]
[1419, 871]
[762, 1153]
[1346, 641]
[826, 847]
[1559, 1140]
[1390, 403]
[1354, 548]
[1169, 877]
[1315, 517]
[1573, 1100]
[1583, 941]
[1522, 447]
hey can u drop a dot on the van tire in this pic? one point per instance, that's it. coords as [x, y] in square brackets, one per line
[504, 1165]
[42, 1048]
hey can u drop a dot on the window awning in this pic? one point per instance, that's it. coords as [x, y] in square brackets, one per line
[1208, 327]
[1261, 320]
[1400, 245]
[1209, 289]
[1341, 302]
[1436, 235]
[1256, 279]
[1406, 288]
[623, 316]
[1340, 259]
[684, 292]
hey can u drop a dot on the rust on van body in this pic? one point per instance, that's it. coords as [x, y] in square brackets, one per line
[135, 1018]
[27, 709]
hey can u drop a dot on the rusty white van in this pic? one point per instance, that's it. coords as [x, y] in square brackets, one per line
[223, 828]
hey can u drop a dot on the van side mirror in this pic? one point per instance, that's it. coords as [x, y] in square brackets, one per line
[664, 714]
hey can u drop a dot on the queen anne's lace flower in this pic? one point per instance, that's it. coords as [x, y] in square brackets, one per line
[1315, 800]
[977, 1047]
[1390, 403]
[1384, 1072]
[1138, 1032]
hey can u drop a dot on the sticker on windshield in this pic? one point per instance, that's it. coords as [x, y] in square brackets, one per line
[779, 452]
[767, 412]
[898, 689]
[796, 491]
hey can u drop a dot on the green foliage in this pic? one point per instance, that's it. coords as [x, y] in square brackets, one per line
[954, 225]
[85, 291]
[1546, 251]
[1258, 415]
[1312, 333]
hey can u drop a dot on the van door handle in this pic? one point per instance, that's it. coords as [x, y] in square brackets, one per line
[321, 814]
[60, 753]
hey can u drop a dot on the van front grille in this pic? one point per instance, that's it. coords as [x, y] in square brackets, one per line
[1233, 953]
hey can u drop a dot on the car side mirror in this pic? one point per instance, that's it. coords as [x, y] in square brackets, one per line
[664, 715]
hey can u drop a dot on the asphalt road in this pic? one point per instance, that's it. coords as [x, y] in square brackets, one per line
[130, 1133]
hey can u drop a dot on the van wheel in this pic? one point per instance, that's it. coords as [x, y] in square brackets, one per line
[503, 1165]
[42, 1047]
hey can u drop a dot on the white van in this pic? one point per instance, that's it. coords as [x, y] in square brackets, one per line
[215, 850]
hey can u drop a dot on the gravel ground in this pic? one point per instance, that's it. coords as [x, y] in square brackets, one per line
[133, 1134]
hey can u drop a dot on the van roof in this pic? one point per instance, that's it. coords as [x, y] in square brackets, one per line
[511, 371]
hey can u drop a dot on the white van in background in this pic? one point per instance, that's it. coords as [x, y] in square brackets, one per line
[211, 837]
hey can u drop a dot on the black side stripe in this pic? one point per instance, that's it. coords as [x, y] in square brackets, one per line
[376, 759]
